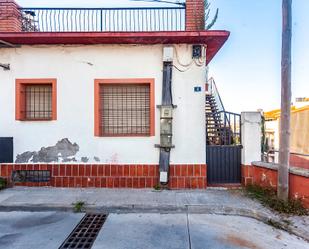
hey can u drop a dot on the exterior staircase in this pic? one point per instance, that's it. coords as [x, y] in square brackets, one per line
[221, 127]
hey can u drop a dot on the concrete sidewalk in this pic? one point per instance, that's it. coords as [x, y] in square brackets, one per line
[28, 230]
[211, 201]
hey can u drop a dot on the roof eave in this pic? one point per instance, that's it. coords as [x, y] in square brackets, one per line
[214, 39]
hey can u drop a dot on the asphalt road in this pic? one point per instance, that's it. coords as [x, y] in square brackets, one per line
[36, 230]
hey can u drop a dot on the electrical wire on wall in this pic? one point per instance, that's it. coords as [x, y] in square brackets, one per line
[200, 62]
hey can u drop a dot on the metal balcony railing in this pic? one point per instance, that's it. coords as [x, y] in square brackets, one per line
[103, 19]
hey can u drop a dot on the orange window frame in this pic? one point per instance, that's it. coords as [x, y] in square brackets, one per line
[98, 82]
[20, 85]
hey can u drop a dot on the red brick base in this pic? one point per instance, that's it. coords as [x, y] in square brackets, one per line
[112, 176]
[299, 161]
[265, 177]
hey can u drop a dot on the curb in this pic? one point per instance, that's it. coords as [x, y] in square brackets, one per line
[269, 219]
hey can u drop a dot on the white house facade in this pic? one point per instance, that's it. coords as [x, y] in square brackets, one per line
[104, 109]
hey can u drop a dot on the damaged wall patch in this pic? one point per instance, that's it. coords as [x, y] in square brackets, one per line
[63, 149]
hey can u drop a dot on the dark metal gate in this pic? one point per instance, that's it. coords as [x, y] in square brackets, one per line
[6, 149]
[223, 164]
[223, 140]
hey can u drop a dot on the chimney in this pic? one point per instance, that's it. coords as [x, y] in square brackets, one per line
[195, 15]
[10, 16]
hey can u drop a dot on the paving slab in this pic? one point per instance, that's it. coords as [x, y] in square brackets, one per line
[231, 232]
[144, 231]
[191, 231]
[29, 230]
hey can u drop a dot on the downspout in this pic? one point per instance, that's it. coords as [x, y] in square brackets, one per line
[166, 118]
[166, 109]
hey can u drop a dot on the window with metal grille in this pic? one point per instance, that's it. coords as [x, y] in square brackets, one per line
[125, 109]
[36, 99]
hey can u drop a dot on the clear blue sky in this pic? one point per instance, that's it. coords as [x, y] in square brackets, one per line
[247, 69]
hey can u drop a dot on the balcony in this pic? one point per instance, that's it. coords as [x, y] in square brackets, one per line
[103, 19]
[183, 24]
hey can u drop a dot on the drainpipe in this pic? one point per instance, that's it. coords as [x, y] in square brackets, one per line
[166, 116]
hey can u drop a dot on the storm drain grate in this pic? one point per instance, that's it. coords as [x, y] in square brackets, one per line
[85, 233]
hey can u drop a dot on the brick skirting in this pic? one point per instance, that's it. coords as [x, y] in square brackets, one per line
[265, 175]
[111, 176]
[299, 161]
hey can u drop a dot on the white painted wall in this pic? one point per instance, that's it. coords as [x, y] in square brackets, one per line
[75, 93]
[250, 137]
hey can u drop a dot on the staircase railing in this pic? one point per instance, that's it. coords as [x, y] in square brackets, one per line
[231, 122]
[213, 90]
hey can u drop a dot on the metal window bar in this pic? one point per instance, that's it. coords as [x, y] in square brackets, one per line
[125, 109]
[103, 19]
[31, 176]
[38, 102]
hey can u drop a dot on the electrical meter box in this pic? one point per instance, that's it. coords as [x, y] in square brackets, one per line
[196, 51]
[163, 176]
[168, 54]
[166, 126]
[166, 112]
[166, 141]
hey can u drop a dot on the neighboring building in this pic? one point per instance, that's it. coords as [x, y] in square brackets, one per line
[81, 90]
[299, 133]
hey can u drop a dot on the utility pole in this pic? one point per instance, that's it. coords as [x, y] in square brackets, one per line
[284, 146]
